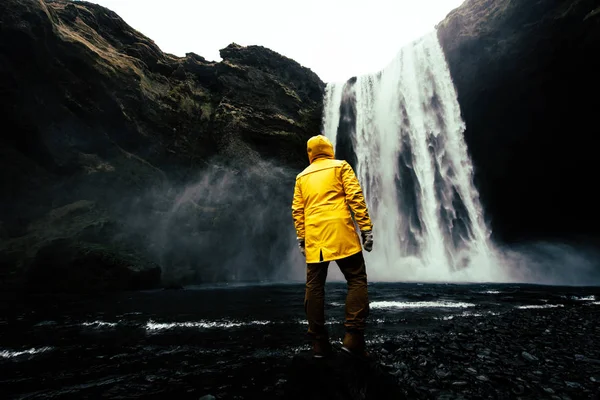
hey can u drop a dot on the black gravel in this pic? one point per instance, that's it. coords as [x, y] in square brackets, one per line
[428, 341]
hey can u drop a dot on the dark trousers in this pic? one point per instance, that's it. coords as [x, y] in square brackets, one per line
[357, 300]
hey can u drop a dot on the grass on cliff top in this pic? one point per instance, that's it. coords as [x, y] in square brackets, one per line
[82, 34]
[108, 59]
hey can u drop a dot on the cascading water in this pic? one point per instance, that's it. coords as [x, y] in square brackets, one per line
[402, 132]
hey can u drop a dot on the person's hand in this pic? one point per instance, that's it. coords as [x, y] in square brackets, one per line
[301, 246]
[367, 238]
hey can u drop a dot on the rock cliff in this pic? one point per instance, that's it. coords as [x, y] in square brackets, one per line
[526, 74]
[121, 165]
[111, 148]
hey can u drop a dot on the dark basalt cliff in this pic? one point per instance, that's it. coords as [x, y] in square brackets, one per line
[110, 148]
[121, 165]
[526, 74]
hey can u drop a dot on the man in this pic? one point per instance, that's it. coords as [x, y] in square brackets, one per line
[324, 194]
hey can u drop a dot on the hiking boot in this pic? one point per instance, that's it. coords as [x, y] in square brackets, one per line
[354, 344]
[321, 348]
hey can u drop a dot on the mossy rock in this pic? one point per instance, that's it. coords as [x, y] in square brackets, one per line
[64, 265]
[72, 249]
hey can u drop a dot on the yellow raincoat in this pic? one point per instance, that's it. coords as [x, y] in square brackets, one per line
[323, 196]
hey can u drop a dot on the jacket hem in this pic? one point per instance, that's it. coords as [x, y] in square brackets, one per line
[334, 258]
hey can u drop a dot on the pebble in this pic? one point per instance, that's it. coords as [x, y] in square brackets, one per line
[503, 352]
[528, 356]
[519, 389]
[442, 373]
[450, 361]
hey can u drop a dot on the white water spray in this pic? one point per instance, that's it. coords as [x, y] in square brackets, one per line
[412, 162]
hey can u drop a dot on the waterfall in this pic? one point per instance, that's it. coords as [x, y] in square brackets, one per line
[402, 132]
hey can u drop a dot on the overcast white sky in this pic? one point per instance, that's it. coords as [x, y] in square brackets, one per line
[337, 39]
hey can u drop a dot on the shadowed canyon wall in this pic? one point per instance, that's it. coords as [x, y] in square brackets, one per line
[526, 76]
[118, 159]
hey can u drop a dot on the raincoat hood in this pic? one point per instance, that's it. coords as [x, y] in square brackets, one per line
[319, 147]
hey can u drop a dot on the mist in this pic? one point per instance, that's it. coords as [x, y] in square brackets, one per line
[551, 263]
[225, 225]
[234, 225]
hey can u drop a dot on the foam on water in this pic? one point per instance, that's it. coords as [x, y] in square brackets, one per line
[100, 324]
[467, 314]
[540, 306]
[17, 353]
[159, 326]
[583, 298]
[419, 304]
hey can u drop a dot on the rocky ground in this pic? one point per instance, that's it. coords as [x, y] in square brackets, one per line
[533, 354]
[247, 342]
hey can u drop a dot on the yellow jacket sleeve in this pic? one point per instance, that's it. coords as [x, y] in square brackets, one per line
[355, 198]
[298, 211]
